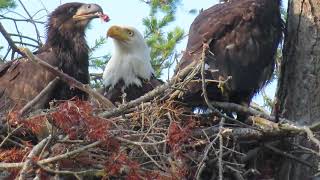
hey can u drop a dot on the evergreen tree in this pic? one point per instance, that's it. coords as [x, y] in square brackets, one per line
[6, 4]
[162, 42]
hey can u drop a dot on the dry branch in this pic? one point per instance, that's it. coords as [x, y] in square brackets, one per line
[36, 99]
[33, 153]
[150, 95]
[52, 159]
[32, 21]
[159, 139]
[69, 80]
[9, 40]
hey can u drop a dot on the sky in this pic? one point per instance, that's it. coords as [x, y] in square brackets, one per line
[121, 12]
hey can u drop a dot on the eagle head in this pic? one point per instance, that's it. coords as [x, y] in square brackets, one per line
[131, 59]
[128, 38]
[71, 17]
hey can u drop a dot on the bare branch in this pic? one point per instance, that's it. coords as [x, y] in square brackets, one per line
[9, 40]
[150, 95]
[32, 21]
[33, 153]
[51, 159]
[36, 99]
[69, 80]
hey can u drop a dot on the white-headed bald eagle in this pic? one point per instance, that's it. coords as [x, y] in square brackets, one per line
[129, 70]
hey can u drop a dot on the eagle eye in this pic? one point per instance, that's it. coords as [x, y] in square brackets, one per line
[131, 33]
[72, 10]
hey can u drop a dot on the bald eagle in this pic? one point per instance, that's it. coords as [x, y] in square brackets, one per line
[129, 70]
[65, 48]
[243, 37]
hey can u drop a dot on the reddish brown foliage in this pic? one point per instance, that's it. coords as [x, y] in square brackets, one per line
[178, 135]
[77, 120]
[35, 124]
[120, 163]
[13, 155]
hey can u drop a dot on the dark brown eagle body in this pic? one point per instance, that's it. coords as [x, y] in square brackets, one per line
[132, 91]
[65, 48]
[243, 37]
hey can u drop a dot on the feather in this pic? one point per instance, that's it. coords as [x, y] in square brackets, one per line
[129, 70]
[65, 48]
[244, 36]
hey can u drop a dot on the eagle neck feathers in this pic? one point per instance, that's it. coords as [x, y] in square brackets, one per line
[129, 66]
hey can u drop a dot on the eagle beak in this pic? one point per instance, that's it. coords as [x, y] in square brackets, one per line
[90, 11]
[118, 33]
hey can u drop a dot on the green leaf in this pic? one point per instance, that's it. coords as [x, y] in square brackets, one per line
[4, 4]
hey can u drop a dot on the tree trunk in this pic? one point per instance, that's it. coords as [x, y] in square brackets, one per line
[299, 84]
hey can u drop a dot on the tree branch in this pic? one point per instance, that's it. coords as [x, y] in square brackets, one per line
[44, 92]
[155, 92]
[9, 40]
[51, 159]
[33, 153]
[68, 79]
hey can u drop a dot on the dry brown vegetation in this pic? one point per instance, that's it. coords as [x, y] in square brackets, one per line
[153, 137]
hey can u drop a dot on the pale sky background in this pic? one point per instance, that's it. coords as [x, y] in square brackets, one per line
[125, 12]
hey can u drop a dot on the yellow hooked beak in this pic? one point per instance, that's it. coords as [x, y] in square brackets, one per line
[118, 33]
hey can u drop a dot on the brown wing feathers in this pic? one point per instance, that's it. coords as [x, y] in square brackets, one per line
[244, 37]
[65, 48]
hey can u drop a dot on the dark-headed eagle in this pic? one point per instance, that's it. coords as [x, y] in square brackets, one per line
[243, 37]
[65, 48]
[129, 70]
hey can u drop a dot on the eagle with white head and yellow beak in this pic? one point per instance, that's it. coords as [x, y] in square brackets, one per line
[129, 70]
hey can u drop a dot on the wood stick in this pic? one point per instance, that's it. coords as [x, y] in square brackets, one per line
[68, 79]
[9, 40]
[33, 153]
[36, 99]
[150, 95]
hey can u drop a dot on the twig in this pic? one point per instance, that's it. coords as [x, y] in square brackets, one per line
[150, 95]
[220, 149]
[154, 161]
[44, 92]
[17, 20]
[312, 138]
[9, 40]
[201, 165]
[9, 134]
[139, 143]
[22, 36]
[33, 153]
[242, 109]
[290, 156]
[13, 142]
[118, 111]
[79, 173]
[69, 154]
[32, 21]
[204, 87]
[51, 159]
[68, 79]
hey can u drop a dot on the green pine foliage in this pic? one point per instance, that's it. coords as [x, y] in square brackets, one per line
[4, 4]
[7, 4]
[100, 61]
[97, 63]
[161, 40]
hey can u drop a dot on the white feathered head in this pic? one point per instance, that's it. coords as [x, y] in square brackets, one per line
[131, 60]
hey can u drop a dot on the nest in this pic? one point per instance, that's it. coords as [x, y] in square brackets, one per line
[152, 137]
